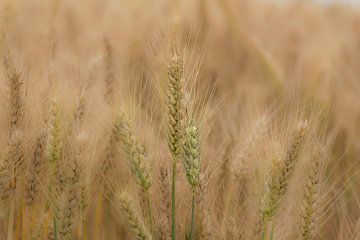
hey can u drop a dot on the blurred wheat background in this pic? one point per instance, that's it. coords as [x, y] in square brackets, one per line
[183, 119]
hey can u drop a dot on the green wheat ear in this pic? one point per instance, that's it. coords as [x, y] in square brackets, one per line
[192, 154]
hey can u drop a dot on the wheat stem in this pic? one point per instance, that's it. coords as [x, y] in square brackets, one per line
[11, 217]
[175, 74]
[173, 195]
[148, 203]
[55, 228]
[192, 217]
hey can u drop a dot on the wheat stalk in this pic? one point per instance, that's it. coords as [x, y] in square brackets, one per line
[137, 157]
[174, 125]
[192, 164]
[54, 154]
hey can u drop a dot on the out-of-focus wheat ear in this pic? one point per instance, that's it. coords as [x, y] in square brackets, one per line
[11, 160]
[310, 209]
[109, 154]
[132, 217]
[70, 207]
[175, 112]
[281, 173]
[109, 78]
[242, 152]
[55, 133]
[240, 167]
[54, 153]
[15, 88]
[80, 110]
[15, 148]
[35, 175]
[44, 228]
[14, 155]
[271, 196]
[292, 154]
[14, 158]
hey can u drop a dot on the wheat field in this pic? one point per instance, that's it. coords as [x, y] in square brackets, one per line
[183, 119]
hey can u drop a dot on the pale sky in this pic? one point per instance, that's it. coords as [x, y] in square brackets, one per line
[330, 1]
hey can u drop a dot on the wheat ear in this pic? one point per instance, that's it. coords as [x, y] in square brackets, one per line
[71, 203]
[281, 173]
[34, 176]
[132, 217]
[310, 208]
[138, 159]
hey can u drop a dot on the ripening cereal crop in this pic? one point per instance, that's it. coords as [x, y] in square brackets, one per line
[165, 120]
